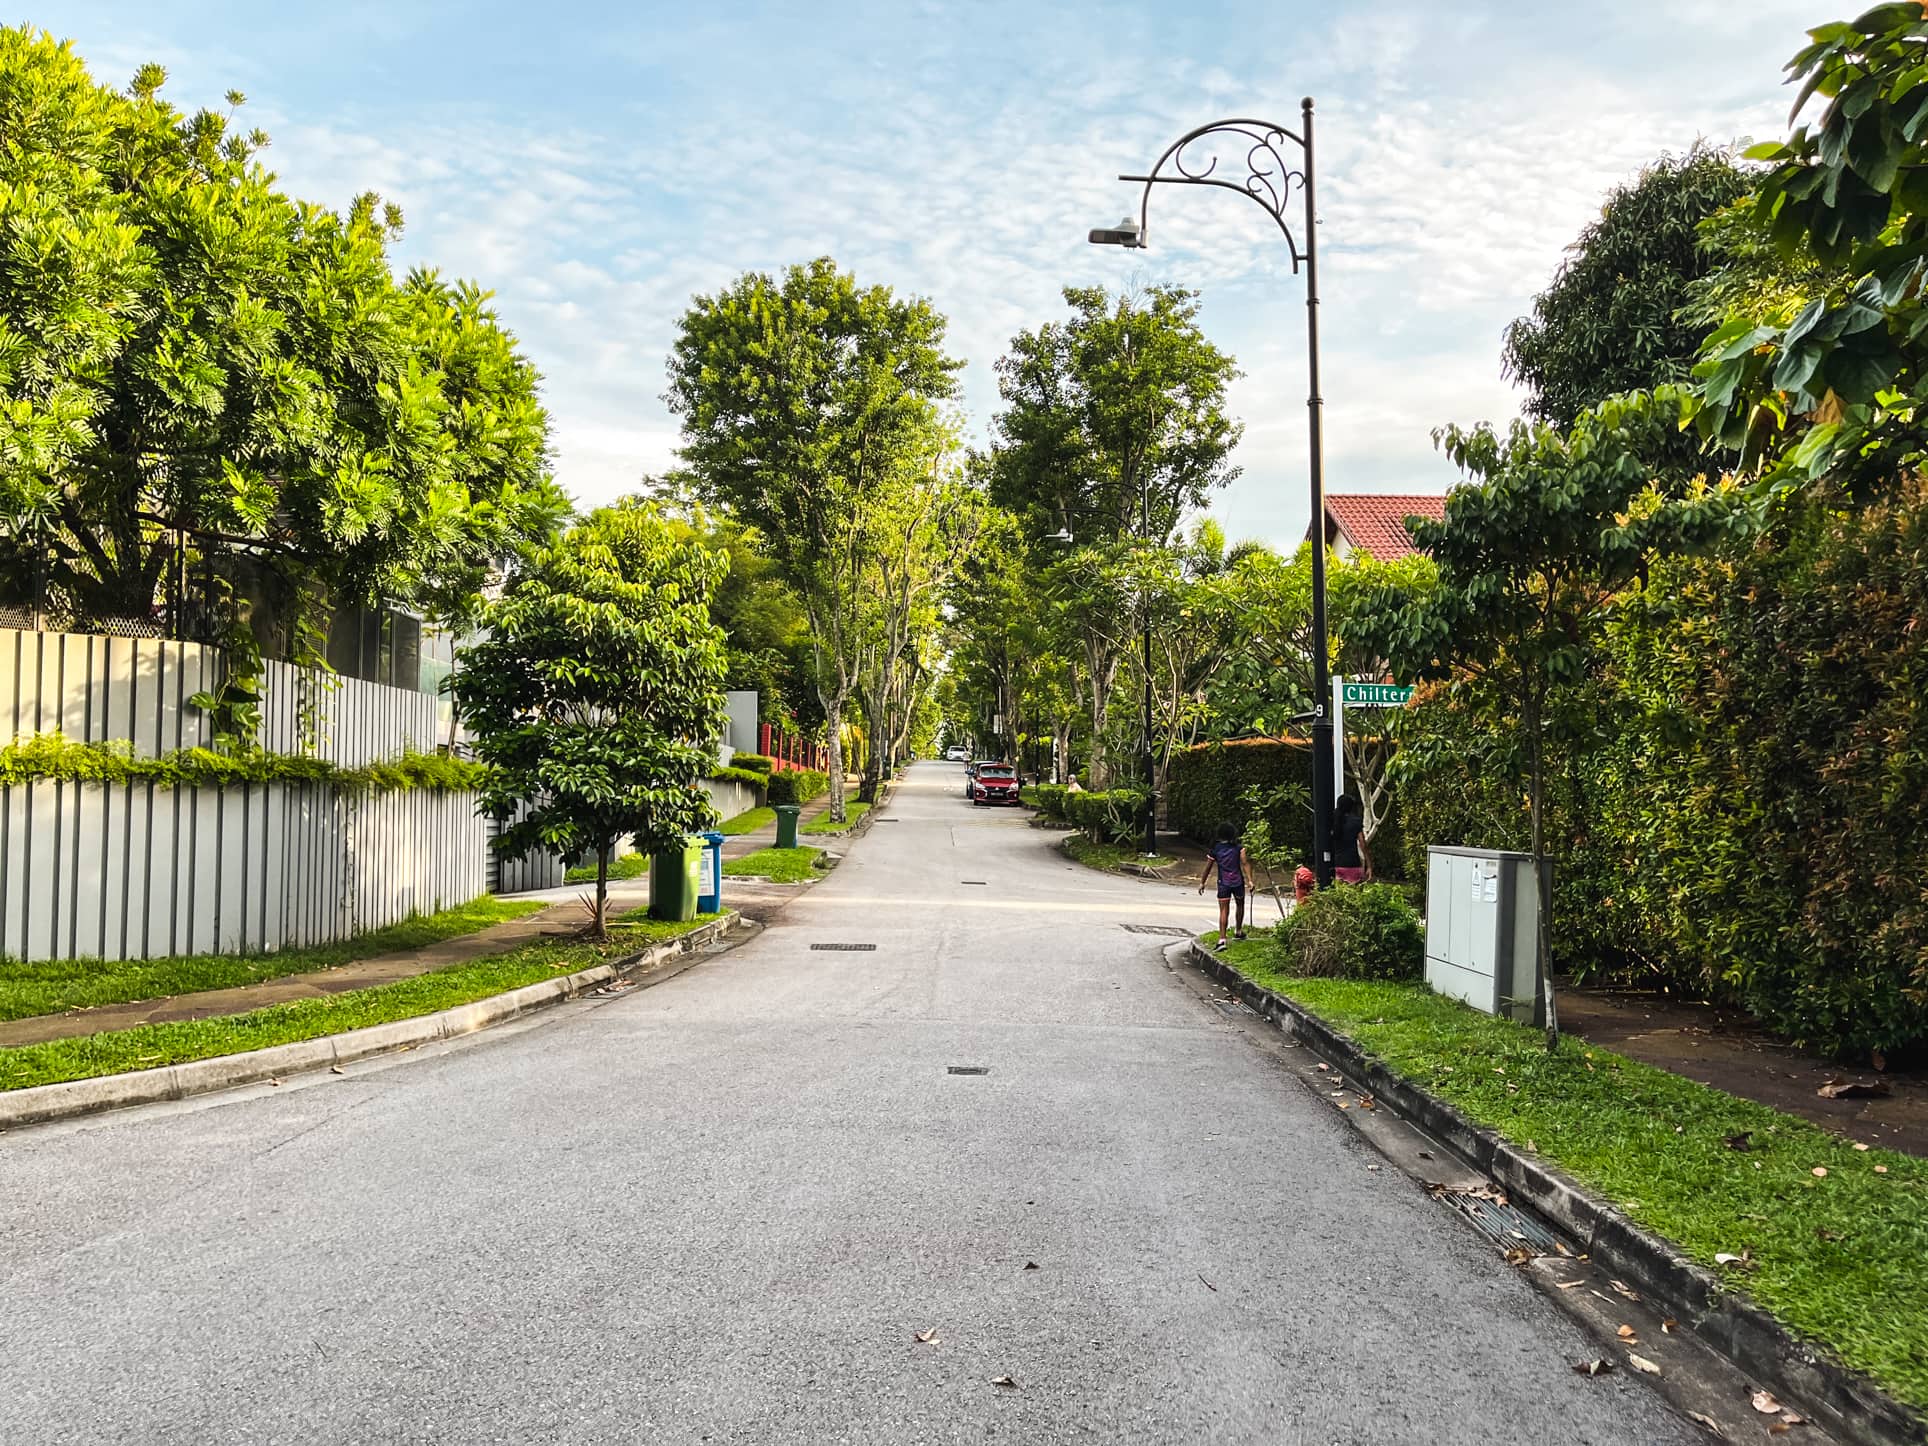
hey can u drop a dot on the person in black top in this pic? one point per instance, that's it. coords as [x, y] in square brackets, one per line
[1351, 858]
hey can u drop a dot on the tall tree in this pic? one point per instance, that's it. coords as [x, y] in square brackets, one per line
[1552, 522]
[596, 693]
[1114, 425]
[804, 402]
[194, 362]
[1617, 316]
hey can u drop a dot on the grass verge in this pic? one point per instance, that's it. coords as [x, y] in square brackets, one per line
[1110, 857]
[749, 821]
[1835, 1235]
[780, 866]
[53, 986]
[629, 866]
[823, 823]
[149, 1046]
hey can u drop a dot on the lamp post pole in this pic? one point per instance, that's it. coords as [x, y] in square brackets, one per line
[1144, 621]
[1269, 180]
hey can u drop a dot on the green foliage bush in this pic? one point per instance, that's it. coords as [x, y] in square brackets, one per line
[1207, 786]
[747, 776]
[1353, 931]
[1054, 801]
[1112, 817]
[53, 756]
[754, 762]
[797, 785]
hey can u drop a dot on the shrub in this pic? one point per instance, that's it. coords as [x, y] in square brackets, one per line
[758, 781]
[1113, 817]
[1207, 786]
[1052, 801]
[1354, 931]
[755, 762]
[798, 785]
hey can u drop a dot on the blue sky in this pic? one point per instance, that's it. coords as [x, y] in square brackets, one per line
[597, 164]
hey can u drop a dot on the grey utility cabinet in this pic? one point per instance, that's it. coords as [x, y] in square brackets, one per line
[1482, 926]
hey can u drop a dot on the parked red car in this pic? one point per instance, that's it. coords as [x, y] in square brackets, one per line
[992, 783]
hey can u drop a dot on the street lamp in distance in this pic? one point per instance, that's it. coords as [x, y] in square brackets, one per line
[1127, 233]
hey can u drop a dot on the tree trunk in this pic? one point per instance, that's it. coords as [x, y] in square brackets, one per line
[833, 729]
[600, 928]
[1543, 882]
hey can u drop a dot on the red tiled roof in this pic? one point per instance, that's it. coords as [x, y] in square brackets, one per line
[1373, 522]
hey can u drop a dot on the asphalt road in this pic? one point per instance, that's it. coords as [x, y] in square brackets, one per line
[718, 1210]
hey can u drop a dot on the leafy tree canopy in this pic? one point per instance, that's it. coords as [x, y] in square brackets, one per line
[1613, 321]
[183, 346]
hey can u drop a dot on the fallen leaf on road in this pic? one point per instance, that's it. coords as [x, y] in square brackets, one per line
[1322, 1066]
[1642, 1365]
[1425, 1154]
[1367, 1102]
[1624, 1289]
[1669, 1326]
[1740, 1141]
[1788, 1418]
[1881, 1169]
[1568, 1284]
[1626, 1333]
[336, 1069]
[1372, 1169]
[1764, 1402]
[1854, 1089]
[1819, 1172]
[926, 1338]
[1560, 1245]
[1207, 1284]
[1004, 1381]
[1518, 1255]
[1706, 1423]
[1743, 1261]
[1031, 1265]
[1859, 1146]
[1593, 1368]
[275, 1082]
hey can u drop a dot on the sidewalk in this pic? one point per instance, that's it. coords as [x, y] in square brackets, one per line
[763, 838]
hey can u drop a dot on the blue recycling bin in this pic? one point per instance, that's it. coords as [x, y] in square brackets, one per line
[709, 891]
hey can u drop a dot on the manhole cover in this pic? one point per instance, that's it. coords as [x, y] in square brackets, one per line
[967, 1069]
[1169, 931]
[1499, 1221]
[844, 948]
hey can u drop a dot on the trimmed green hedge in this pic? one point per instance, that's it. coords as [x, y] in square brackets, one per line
[1113, 817]
[54, 756]
[798, 785]
[1206, 786]
[1053, 801]
[754, 762]
[747, 776]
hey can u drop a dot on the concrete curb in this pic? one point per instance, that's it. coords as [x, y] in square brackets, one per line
[41, 1104]
[1846, 1403]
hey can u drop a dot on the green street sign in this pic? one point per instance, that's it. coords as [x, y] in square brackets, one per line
[1375, 695]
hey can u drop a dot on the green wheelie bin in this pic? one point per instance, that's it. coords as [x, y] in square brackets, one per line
[673, 882]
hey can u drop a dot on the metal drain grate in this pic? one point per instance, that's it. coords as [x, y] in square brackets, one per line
[967, 1069]
[1230, 1006]
[1168, 931]
[844, 948]
[1499, 1221]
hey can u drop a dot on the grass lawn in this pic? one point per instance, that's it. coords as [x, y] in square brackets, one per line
[53, 986]
[1838, 1236]
[149, 1046]
[823, 823]
[749, 821]
[780, 866]
[629, 866]
[1109, 856]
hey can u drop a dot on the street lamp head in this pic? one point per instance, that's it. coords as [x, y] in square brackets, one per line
[1063, 534]
[1127, 233]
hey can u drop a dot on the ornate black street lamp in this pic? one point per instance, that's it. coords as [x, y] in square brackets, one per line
[1269, 180]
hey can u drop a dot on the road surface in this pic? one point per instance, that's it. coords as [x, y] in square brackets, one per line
[718, 1210]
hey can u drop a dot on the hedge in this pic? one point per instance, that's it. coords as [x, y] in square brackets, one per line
[748, 776]
[1114, 817]
[754, 762]
[798, 785]
[1206, 787]
[54, 756]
